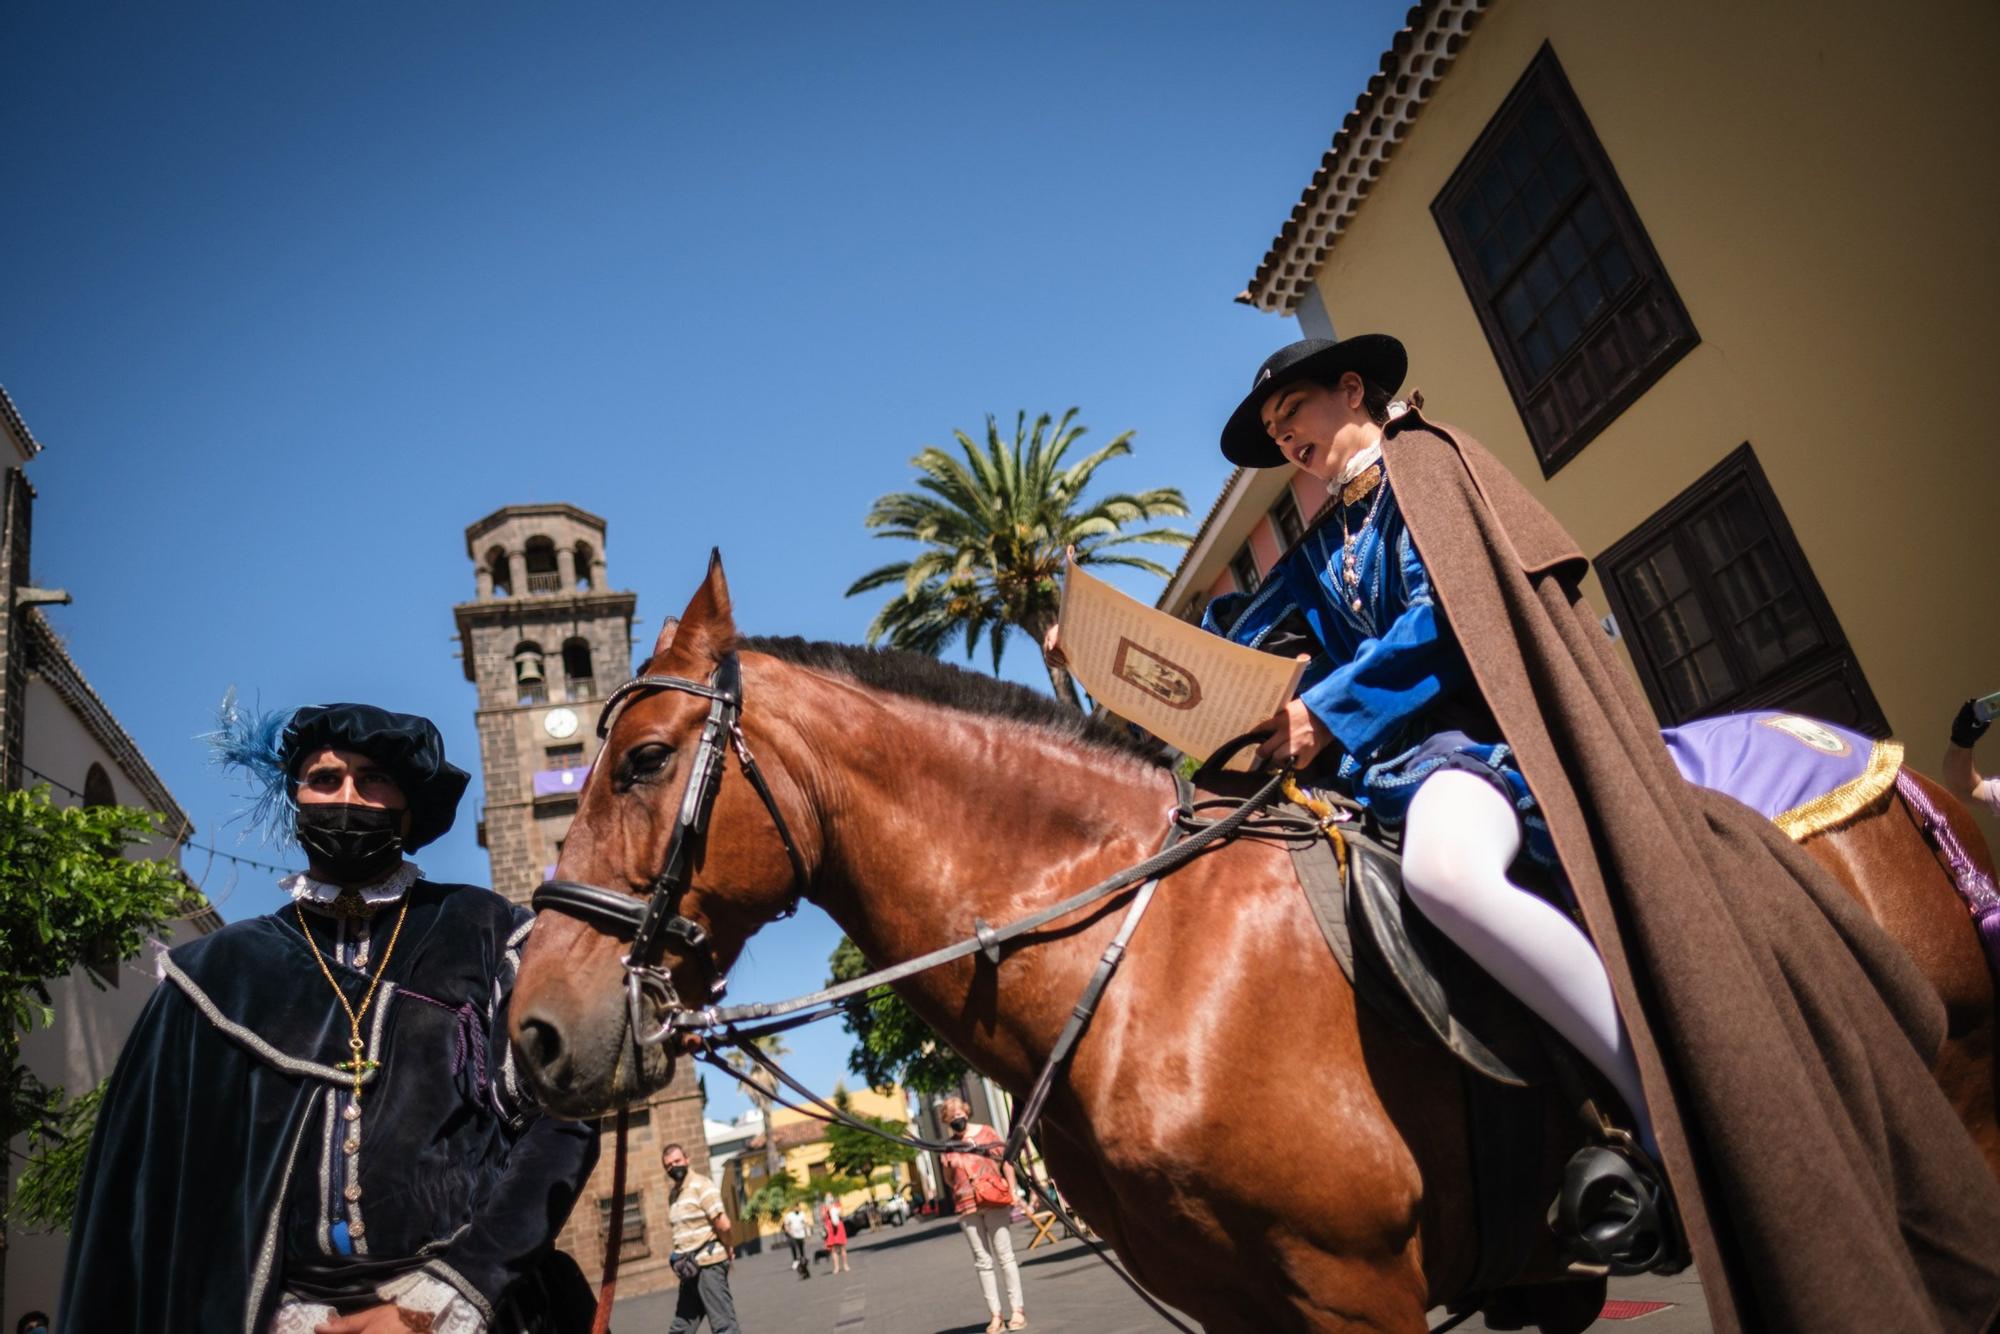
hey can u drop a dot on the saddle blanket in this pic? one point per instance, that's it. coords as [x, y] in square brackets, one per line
[1804, 775]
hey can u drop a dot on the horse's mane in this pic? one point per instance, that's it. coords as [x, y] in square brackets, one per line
[919, 676]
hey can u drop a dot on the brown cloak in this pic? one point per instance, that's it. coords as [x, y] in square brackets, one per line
[1783, 1039]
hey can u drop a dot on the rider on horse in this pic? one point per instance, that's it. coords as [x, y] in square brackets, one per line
[1771, 1043]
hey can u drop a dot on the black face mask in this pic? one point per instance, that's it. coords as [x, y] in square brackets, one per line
[355, 844]
[958, 1124]
[678, 1172]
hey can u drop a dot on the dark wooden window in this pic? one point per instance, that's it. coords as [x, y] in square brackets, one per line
[565, 757]
[632, 1244]
[1574, 301]
[1285, 519]
[1243, 568]
[1722, 612]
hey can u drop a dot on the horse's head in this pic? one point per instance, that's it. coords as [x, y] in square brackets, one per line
[675, 857]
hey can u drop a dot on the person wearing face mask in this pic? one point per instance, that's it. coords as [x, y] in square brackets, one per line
[702, 1252]
[983, 1191]
[316, 1125]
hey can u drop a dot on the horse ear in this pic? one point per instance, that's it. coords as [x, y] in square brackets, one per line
[708, 626]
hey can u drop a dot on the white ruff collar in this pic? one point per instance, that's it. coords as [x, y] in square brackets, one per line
[304, 889]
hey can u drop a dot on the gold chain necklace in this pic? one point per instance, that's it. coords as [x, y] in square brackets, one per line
[354, 1044]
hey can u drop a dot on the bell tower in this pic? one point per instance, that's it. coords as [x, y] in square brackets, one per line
[545, 639]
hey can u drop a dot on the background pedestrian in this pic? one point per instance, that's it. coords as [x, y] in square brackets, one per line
[983, 1192]
[834, 1227]
[702, 1252]
[796, 1225]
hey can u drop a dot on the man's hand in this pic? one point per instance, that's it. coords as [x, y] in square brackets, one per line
[1297, 736]
[386, 1319]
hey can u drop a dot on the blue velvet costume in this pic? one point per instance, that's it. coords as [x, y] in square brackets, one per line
[1389, 679]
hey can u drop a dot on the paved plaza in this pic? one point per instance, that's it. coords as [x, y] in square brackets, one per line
[918, 1279]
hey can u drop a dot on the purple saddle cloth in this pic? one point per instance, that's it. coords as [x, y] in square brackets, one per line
[1807, 776]
[1803, 774]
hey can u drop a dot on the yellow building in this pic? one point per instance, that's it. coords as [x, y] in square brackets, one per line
[803, 1144]
[1715, 281]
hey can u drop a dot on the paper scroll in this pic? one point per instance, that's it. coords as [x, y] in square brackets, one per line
[1191, 689]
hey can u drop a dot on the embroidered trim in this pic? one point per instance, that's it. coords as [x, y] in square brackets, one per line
[459, 1281]
[267, 1253]
[1363, 486]
[1266, 591]
[1830, 809]
[258, 1046]
[326, 1176]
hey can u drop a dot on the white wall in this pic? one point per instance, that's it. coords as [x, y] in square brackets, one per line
[91, 1021]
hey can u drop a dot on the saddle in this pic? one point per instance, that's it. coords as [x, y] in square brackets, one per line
[1611, 1212]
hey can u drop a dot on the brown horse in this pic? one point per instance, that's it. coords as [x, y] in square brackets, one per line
[1259, 1150]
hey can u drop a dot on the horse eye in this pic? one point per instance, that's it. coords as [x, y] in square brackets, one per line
[643, 762]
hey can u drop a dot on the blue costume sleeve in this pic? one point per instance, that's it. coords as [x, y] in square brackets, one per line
[1395, 675]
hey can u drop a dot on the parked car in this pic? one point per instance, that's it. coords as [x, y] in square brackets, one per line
[894, 1211]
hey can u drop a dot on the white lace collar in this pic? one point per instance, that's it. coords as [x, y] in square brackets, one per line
[304, 889]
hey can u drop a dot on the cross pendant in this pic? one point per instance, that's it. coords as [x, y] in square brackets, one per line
[356, 1066]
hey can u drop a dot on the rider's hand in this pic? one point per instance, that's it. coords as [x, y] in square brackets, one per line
[1052, 652]
[1966, 729]
[1297, 736]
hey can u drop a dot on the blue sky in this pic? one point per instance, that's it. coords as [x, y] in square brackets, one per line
[292, 294]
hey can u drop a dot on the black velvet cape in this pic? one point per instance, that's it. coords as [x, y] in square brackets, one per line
[202, 1196]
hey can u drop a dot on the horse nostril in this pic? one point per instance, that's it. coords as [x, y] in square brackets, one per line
[541, 1046]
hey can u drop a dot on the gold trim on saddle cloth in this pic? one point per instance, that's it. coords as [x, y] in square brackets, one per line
[1846, 801]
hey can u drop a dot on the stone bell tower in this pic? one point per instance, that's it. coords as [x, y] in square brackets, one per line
[545, 639]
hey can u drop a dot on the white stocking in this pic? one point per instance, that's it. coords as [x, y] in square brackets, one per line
[1461, 835]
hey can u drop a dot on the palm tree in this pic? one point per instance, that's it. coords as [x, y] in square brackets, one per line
[755, 1082]
[995, 525]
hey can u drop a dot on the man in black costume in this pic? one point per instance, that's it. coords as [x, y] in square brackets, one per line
[315, 1125]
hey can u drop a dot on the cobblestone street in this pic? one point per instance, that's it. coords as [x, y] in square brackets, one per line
[918, 1279]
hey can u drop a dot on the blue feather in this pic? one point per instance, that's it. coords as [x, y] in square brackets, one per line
[253, 744]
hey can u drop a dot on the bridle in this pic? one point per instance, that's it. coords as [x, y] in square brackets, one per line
[650, 923]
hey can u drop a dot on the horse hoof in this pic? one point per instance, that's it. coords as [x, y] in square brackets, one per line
[1614, 1210]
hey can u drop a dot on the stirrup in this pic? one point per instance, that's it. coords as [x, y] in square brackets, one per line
[1615, 1210]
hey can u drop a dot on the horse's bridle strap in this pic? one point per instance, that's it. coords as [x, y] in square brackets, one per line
[609, 911]
[653, 920]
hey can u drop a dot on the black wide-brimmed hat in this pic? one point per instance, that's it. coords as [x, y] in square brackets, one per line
[1376, 358]
[408, 746]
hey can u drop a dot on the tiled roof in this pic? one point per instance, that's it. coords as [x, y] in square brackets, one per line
[11, 417]
[1411, 68]
[791, 1136]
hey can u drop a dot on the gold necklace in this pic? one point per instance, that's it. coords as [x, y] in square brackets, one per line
[354, 1044]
